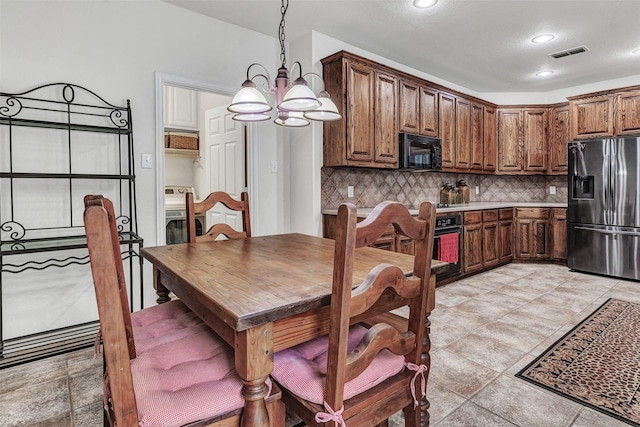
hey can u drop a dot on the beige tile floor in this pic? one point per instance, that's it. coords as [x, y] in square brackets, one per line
[485, 328]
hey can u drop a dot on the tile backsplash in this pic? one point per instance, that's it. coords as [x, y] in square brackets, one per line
[371, 186]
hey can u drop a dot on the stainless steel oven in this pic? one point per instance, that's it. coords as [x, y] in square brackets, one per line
[447, 244]
[176, 215]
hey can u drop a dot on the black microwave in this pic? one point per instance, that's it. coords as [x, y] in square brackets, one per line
[418, 152]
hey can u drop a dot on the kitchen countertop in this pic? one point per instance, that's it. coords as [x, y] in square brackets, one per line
[364, 212]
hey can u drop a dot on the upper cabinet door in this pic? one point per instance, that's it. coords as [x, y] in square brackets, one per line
[386, 124]
[489, 131]
[428, 111]
[558, 140]
[409, 107]
[360, 120]
[628, 113]
[509, 140]
[477, 136]
[463, 133]
[591, 117]
[447, 119]
[180, 108]
[535, 139]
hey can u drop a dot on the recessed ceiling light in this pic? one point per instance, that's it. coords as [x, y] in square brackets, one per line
[636, 52]
[423, 4]
[544, 73]
[542, 38]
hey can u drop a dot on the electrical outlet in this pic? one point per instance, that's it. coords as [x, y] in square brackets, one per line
[350, 191]
[146, 161]
[477, 189]
[274, 166]
[552, 189]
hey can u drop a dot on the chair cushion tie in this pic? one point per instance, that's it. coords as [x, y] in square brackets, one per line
[331, 415]
[419, 370]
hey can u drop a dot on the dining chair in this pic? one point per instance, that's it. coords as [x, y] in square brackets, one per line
[218, 229]
[163, 365]
[359, 376]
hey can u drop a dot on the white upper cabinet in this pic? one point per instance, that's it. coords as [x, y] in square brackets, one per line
[180, 108]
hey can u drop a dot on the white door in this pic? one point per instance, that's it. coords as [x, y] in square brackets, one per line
[225, 154]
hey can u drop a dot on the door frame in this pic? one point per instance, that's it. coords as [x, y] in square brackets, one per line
[163, 79]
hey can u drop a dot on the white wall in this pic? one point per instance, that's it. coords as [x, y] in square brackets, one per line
[114, 48]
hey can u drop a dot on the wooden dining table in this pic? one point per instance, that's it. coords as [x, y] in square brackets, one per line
[265, 294]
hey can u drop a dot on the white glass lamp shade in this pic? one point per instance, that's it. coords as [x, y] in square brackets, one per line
[291, 119]
[249, 100]
[327, 110]
[299, 97]
[251, 117]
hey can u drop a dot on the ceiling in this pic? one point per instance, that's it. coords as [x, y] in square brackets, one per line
[482, 45]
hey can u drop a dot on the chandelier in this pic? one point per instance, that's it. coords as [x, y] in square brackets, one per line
[296, 104]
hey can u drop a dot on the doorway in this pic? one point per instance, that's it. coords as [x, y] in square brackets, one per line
[221, 162]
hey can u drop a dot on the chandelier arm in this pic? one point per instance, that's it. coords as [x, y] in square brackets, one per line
[299, 67]
[268, 86]
[311, 73]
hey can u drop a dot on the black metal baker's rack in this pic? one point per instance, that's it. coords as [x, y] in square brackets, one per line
[92, 142]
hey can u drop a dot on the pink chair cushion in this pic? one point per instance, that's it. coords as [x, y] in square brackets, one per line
[183, 371]
[302, 369]
[164, 323]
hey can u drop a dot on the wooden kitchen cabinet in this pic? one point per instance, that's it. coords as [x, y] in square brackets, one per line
[447, 125]
[558, 139]
[477, 136]
[532, 234]
[472, 241]
[385, 127]
[505, 233]
[367, 136]
[535, 140]
[490, 238]
[463, 134]
[418, 108]
[489, 139]
[591, 117]
[509, 140]
[559, 234]
[522, 140]
[627, 113]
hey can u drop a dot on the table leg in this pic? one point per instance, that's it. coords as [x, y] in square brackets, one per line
[254, 363]
[161, 291]
[426, 348]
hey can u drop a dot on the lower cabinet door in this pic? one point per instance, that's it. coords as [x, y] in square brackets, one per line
[490, 244]
[472, 242]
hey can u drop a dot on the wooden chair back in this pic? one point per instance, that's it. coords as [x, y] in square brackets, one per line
[113, 307]
[347, 303]
[219, 229]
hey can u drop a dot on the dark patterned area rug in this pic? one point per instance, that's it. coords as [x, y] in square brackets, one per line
[597, 363]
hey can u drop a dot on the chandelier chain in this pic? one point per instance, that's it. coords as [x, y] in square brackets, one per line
[283, 10]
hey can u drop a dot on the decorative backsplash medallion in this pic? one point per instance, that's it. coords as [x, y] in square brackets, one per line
[410, 188]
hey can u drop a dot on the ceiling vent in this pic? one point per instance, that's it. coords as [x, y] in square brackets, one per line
[569, 52]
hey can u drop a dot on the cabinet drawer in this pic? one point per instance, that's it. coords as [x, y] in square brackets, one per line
[472, 217]
[532, 213]
[505, 214]
[490, 215]
[559, 213]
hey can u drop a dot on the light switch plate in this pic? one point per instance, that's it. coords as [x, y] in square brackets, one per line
[146, 161]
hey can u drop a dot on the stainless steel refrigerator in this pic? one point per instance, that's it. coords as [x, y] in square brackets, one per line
[603, 213]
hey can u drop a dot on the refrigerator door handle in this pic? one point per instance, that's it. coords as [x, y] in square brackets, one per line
[603, 231]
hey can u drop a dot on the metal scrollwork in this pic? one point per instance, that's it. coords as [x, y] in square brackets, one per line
[118, 119]
[12, 106]
[68, 93]
[122, 222]
[15, 230]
